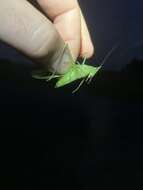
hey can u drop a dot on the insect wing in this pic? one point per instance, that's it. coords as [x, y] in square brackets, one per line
[73, 74]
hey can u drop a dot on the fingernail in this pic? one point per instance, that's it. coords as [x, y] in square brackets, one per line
[63, 61]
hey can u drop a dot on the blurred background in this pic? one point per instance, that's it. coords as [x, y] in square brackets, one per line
[51, 138]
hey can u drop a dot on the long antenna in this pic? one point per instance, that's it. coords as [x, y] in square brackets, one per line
[109, 54]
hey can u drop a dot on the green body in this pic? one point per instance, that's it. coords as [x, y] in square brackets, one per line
[77, 71]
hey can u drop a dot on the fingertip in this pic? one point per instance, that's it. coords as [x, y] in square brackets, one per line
[87, 47]
[88, 52]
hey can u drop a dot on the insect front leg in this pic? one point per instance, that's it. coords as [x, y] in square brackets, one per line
[84, 60]
[78, 63]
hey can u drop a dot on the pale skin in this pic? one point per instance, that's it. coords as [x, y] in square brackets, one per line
[42, 36]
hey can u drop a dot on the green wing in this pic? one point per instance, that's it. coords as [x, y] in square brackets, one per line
[76, 72]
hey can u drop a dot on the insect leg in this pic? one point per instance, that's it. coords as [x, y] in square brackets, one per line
[89, 79]
[78, 63]
[78, 86]
[52, 77]
[84, 61]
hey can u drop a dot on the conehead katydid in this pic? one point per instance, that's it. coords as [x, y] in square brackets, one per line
[76, 71]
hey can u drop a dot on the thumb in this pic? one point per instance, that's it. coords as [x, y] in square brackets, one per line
[28, 30]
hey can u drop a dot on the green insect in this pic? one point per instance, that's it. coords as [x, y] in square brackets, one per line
[77, 71]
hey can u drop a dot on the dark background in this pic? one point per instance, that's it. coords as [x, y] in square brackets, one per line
[51, 138]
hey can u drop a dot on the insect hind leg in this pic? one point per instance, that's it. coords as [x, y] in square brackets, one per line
[81, 83]
[89, 79]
